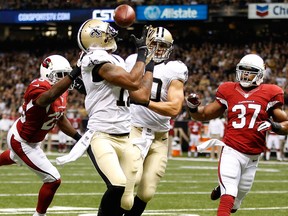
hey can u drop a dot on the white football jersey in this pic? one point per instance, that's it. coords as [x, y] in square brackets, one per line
[163, 75]
[105, 103]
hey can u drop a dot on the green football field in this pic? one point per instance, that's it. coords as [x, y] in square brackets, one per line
[184, 191]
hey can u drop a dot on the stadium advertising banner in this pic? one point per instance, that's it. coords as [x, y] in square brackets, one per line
[172, 12]
[44, 16]
[268, 11]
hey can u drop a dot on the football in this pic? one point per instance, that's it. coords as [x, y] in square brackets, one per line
[124, 16]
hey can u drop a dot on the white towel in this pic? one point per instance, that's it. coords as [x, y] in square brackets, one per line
[145, 141]
[78, 149]
[209, 143]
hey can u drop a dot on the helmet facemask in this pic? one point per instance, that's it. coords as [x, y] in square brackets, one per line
[160, 42]
[250, 70]
[244, 75]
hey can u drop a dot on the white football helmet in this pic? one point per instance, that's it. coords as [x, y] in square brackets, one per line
[54, 68]
[95, 33]
[250, 64]
[160, 41]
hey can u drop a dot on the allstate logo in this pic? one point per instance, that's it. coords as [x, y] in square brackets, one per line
[152, 12]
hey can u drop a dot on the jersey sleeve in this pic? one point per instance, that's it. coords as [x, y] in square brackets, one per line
[96, 57]
[178, 70]
[277, 96]
[130, 61]
[223, 92]
[120, 61]
[36, 88]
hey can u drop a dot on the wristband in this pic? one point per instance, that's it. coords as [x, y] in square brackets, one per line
[150, 66]
[142, 104]
[275, 126]
[193, 110]
[77, 136]
[75, 73]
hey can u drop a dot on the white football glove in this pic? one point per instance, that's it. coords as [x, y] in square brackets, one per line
[79, 61]
[269, 125]
[193, 101]
[264, 126]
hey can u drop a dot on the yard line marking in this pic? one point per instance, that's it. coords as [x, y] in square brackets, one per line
[162, 181]
[88, 211]
[157, 193]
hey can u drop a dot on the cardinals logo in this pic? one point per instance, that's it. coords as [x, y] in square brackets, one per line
[47, 63]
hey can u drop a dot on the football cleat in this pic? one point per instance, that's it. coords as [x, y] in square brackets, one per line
[233, 210]
[216, 193]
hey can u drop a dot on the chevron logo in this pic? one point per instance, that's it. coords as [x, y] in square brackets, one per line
[262, 11]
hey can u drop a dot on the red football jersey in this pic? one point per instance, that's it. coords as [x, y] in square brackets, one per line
[195, 127]
[245, 108]
[35, 121]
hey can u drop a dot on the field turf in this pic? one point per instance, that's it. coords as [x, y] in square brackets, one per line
[184, 191]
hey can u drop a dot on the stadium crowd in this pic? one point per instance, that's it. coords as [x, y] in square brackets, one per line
[210, 57]
[209, 64]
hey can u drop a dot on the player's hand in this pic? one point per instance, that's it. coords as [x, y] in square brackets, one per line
[79, 61]
[264, 126]
[193, 101]
[140, 43]
[269, 125]
[79, 85]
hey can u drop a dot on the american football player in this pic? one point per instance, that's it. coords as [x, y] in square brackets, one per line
[195, 129]
[273, 141]
[151, 121]
[107, 102]
[44, 104]
[249, 104]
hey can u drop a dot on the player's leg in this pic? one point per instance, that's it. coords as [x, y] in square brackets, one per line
[246, 181]
[34, 157]
[104, 156]
[269, 144]
[5, 158]
[131, 162]
[190, 147]
[153, 170]
[229, 176]
[277, 147]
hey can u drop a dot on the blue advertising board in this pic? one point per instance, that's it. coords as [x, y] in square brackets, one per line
[44, 16]
[171, 12]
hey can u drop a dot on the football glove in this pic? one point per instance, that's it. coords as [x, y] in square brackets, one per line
[79, 85]
[269, 125]
[193, 102]
[140, 44]
[79, 61]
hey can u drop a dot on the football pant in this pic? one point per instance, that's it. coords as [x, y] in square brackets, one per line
[117, 163]
[154, 164]
[236, 173]
[31, 155]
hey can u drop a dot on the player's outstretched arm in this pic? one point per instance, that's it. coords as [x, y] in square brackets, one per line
[58, 88]
[203, 113]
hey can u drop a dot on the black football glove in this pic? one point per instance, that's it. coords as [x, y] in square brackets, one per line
[79, 85]
[140, 44]
[77, 69]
